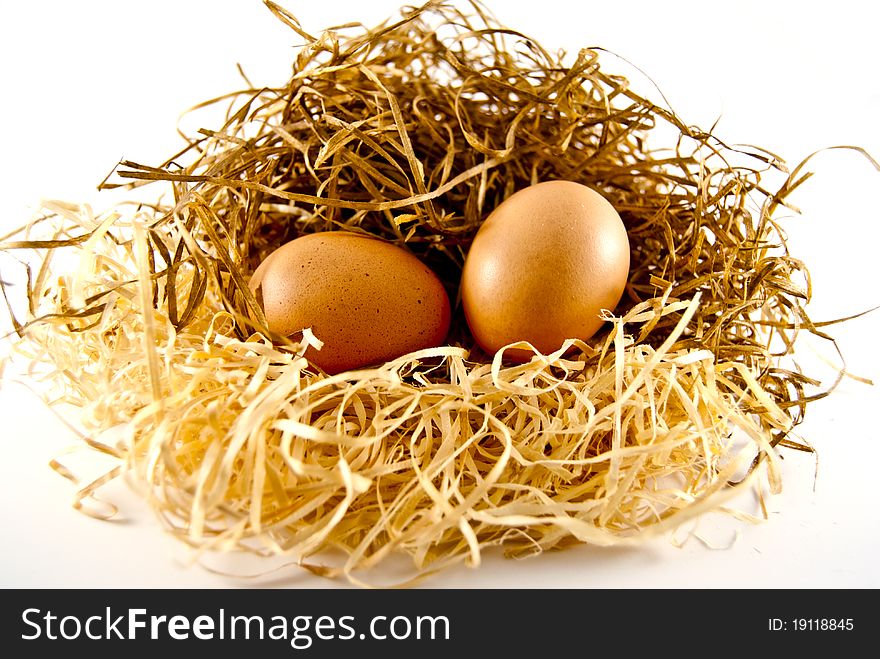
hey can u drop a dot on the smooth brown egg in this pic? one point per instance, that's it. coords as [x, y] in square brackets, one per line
[367, 300]
[543, 266]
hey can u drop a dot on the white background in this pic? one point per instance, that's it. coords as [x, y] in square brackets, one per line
[86, 84]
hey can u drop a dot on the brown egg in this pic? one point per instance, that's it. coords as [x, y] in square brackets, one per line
[543, 266]
[367, 300]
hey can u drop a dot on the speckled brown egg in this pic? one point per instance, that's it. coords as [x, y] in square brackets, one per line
[543, 266]
[369, 301]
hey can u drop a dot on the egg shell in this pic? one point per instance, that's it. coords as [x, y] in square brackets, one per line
[542, 267]
[369, 301]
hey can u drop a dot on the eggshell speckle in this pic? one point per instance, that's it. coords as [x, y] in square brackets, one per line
[369, 301]
[543, 266]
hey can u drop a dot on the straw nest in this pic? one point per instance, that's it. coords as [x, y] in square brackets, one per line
[414, 131]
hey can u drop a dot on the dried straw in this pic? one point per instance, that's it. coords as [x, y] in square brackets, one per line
[414, 131]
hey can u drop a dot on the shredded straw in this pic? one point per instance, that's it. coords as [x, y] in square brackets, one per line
[414, 131]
